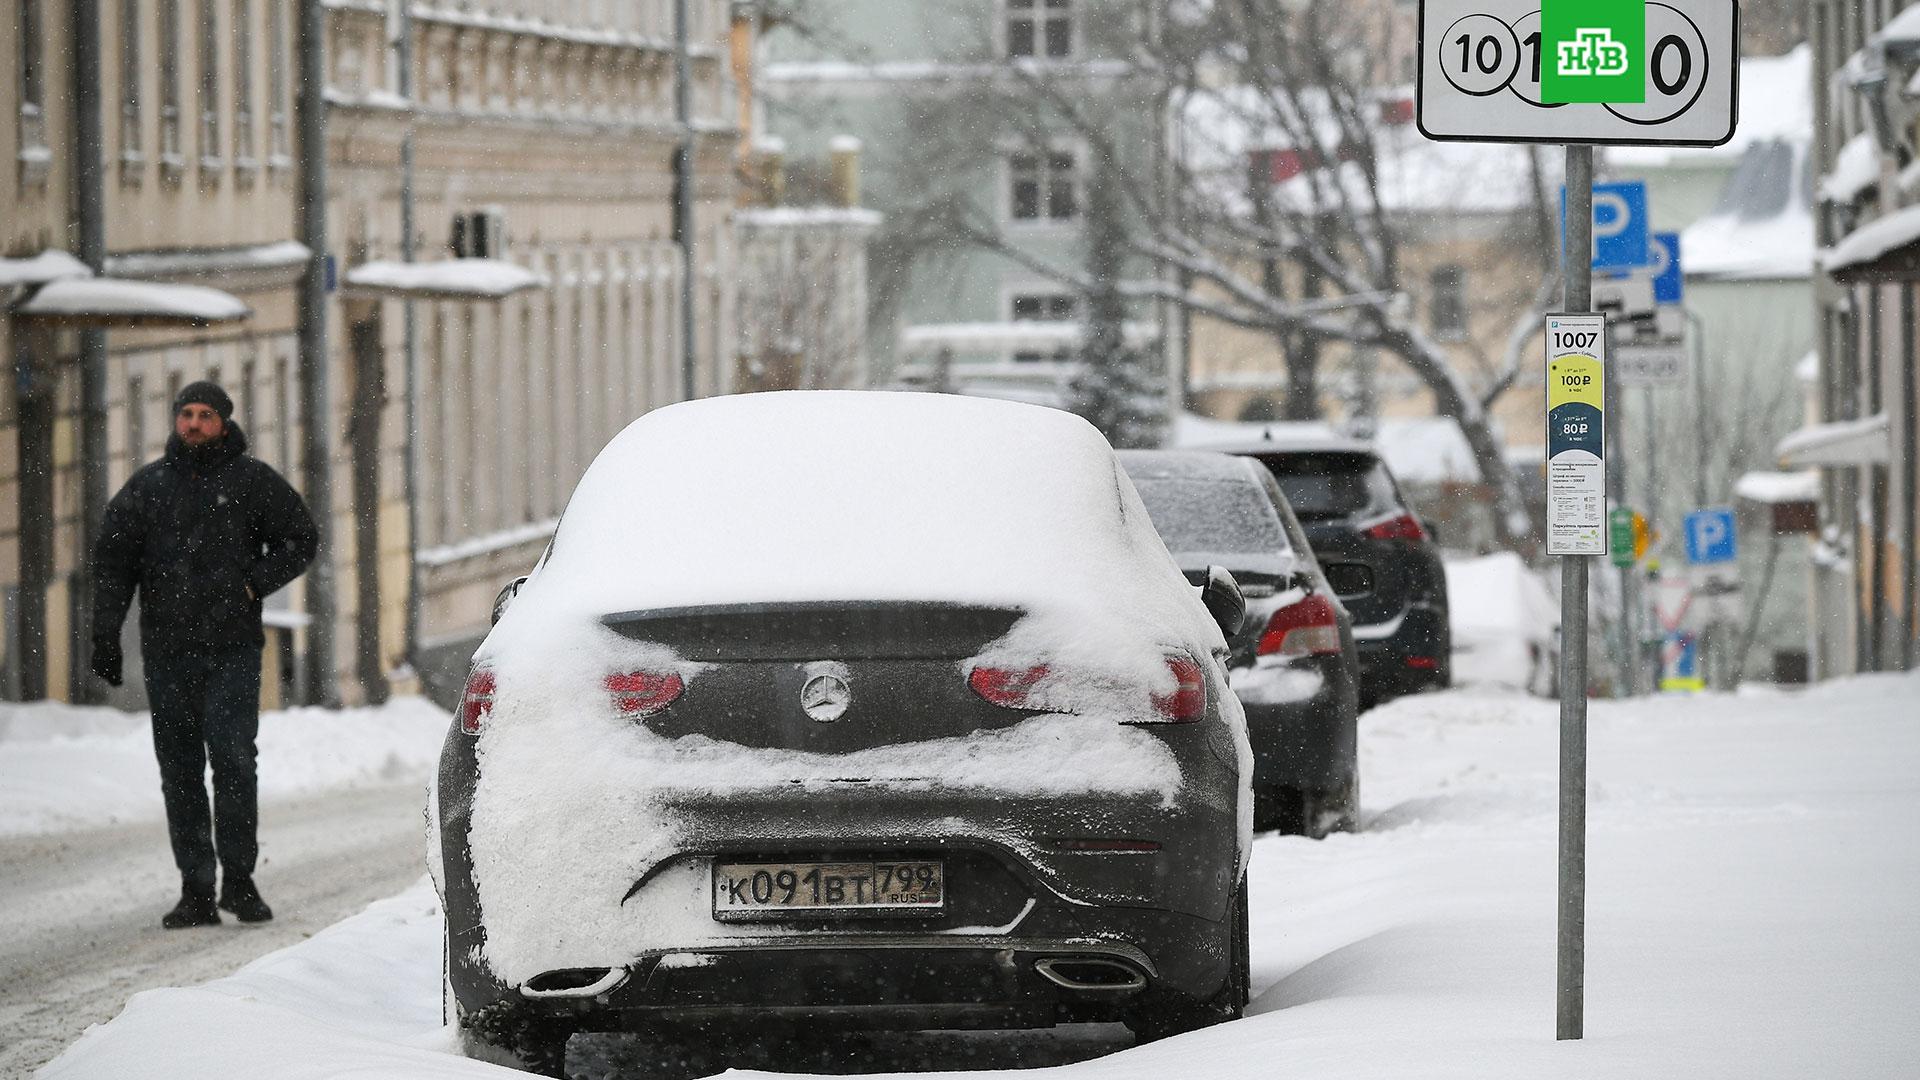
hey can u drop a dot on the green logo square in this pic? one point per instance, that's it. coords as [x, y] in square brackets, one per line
[1593, 50]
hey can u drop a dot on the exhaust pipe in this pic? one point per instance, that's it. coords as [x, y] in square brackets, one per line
[1096, 973]
[574, 982]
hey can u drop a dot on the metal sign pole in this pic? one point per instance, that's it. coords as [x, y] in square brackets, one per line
[1570, 985]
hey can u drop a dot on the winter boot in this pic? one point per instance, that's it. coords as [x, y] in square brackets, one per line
[239, 896]
[194, 909]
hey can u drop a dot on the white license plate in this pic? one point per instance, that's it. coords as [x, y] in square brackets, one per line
[799, 889]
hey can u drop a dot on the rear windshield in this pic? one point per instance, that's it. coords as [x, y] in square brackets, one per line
[1223, 517]
[1324, 486]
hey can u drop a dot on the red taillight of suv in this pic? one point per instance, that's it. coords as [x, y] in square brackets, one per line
[1404, 527]
[1188, 702]
[1007, 687]
[1309, 627]
[643, 693]
[476, 704]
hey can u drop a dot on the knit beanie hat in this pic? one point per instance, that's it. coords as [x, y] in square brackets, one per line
[208, 394]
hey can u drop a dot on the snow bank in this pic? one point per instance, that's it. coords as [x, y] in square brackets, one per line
[1751, 870]
[1503, 618]
[64, 767]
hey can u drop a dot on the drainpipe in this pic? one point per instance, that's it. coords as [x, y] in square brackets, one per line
[316, 402]
[410, 448]
[90, 217]
[683, 225]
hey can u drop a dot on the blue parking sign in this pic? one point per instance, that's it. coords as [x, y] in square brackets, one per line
[1620, 238]
[1668, 283]
[1710, 537]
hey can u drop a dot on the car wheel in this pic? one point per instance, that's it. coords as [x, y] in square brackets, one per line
[507, 1037]
[1279, 809]
[1163, 1015]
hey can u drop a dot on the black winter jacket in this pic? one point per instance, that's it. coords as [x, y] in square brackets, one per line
[195, 532]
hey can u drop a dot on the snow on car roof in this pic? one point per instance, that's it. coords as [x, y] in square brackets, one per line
[1186, 465]
[861, 495]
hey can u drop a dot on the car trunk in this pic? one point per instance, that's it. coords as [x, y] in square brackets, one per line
[1368, 575]
[900, 664]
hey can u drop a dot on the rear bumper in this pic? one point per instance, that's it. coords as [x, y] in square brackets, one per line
[1302, 721]
[1404, 654]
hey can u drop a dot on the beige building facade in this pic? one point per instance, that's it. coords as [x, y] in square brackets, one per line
[542, 133]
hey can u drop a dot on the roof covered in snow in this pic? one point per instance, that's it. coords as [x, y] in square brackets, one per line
[107, 301]
[1841, 442]
[1778, 487]
[451, 279]
[1874, 239]
[50, 265]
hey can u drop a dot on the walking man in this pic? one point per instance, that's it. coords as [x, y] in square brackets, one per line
[205, 533]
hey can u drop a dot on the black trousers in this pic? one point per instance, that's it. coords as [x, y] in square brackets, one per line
[206, 708]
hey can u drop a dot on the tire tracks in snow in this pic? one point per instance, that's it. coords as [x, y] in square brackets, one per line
[83, 908]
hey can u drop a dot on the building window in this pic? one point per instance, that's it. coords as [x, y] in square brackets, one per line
[279, 146]
[210, 85]
[1044, 186]
[243, 155]
[34, 154]
[172, 160]
[130, 156]
[1057, 307]
[1039, 28]
[1448, 303]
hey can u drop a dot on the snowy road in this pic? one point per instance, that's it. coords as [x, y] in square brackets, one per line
[83, 908]
[1752, 868]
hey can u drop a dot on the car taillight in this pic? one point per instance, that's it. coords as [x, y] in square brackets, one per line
[1188, 701]
[643, 693]
[1404, 527]
[1007, 687]
[477, 702]
[1308, 627]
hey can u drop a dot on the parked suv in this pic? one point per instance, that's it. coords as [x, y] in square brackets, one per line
[867, 709]
[1375, 552]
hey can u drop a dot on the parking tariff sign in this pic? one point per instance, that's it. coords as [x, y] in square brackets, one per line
[1576, 442]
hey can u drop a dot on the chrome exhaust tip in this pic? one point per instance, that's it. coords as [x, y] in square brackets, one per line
[586, 982]
[1095, 973]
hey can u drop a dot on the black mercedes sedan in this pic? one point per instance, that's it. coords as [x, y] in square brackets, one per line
[852, 709]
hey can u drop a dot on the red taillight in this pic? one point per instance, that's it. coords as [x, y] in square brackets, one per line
[1404, 527]
[477, 703]
[1007, 687]
[1309, 627]
[1188, 702]
[1424, 663]
[643, 693]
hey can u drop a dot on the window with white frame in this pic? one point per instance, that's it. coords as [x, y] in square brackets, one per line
[210, 84]
[34, 154]
[1045, 307]
[171, 157]
[243, 155]
[130, 156]
[1447, 303]
[1039, 29]
[279, 144]
[1043, 186]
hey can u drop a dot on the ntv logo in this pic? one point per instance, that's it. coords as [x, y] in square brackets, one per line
[1593, 52]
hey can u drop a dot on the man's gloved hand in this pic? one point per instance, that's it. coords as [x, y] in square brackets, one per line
[107, 658]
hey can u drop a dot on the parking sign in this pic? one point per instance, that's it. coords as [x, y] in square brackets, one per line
[1710, 537]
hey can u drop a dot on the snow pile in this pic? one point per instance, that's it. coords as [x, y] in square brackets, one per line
[1855, 169]
[1875, 238]
[1779, 487]
[1503, 619]
[803, 497]
[64, 767]
[1751, 871]
[50, 265]
[112, 298]
[480, 278]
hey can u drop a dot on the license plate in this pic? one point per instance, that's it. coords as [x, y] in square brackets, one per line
[801, 889]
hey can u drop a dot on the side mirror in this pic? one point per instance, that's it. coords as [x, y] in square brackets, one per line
[506, 597]
[1222, 596]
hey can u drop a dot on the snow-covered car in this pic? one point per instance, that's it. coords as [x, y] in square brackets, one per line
[862, 708]
[1291, 661]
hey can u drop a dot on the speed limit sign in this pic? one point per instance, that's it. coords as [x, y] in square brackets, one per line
[1580, 71]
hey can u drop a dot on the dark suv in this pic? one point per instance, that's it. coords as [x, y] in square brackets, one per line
[1375, 552]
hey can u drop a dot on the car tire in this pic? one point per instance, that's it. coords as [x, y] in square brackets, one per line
[502, 1037]
[1162, 1015]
